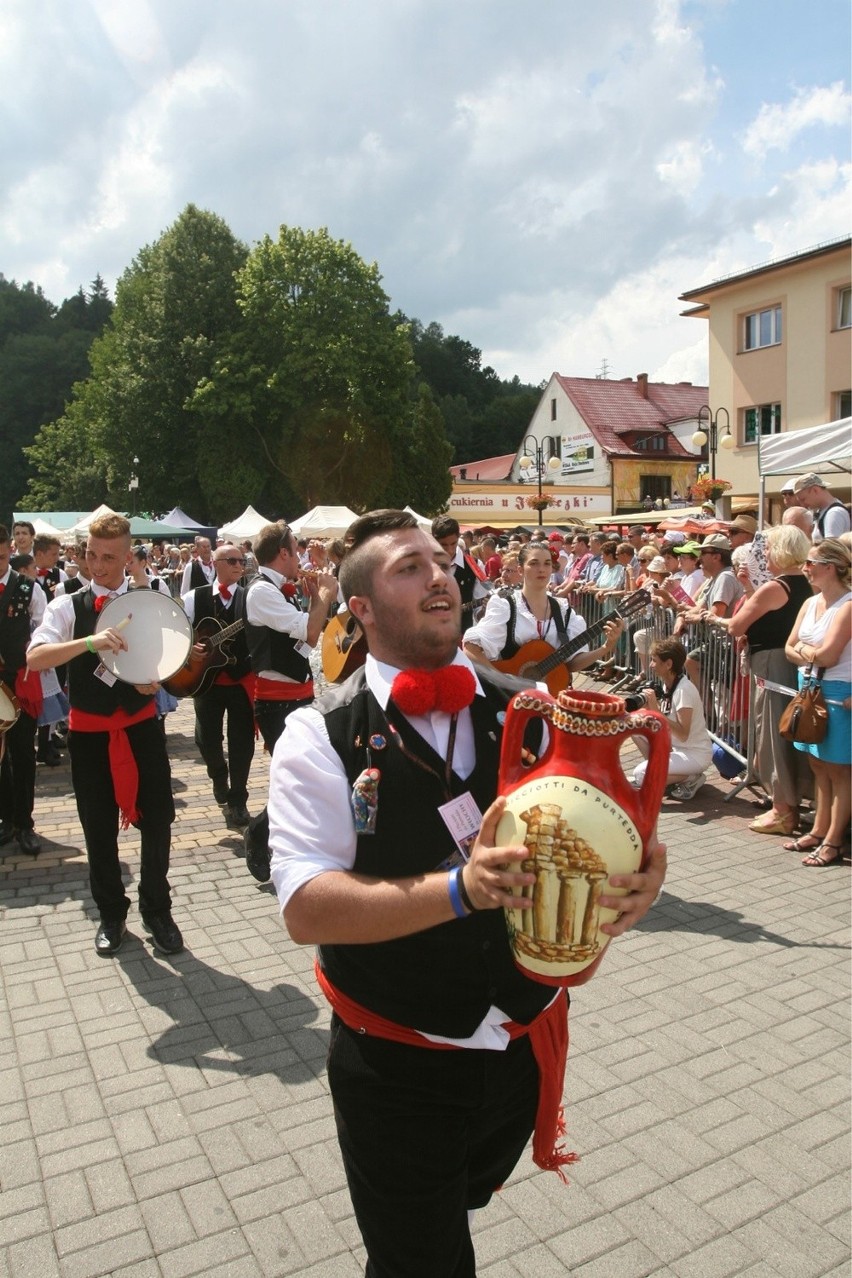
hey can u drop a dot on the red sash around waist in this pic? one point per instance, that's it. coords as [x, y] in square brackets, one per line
[278, 690]
[122, 764]
[548, 1035]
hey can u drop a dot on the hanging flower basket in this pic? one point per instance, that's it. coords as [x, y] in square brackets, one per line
[707, 489]
[539, 503]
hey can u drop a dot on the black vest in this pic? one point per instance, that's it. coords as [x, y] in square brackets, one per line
[209, 604]
[270, 649]
[73, 584]
[442, 980]
[85, 692]
[15, 622]
[50, 581]
[197, 576]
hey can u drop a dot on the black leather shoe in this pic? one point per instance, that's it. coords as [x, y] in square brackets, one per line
[7, 833]
[29, 842]
[220, 793]
[256, 843]
[237, 816]
[109, 936]
[50, 758]
[164, 933]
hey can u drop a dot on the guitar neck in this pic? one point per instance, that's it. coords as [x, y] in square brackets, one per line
[227, 633]
[560, 655]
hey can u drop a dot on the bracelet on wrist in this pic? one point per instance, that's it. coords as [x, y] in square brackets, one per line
[463, 893]
[455, 895]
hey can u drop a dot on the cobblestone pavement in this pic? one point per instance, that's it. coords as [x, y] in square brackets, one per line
[170, 1117]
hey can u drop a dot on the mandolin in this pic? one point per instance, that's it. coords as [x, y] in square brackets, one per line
[200, 670]
[538, 662]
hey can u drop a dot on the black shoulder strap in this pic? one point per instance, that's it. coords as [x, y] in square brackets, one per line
[511, 646]
[560, 622]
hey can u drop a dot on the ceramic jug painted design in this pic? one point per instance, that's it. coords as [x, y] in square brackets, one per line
[581, 820]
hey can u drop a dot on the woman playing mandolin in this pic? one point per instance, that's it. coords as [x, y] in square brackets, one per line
[517, 632]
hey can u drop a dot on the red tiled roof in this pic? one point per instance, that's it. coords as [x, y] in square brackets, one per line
[612, 408]
[489, 469]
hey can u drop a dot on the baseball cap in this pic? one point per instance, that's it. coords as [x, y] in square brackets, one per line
[808, 481]
[716, 541]
[690, 548]
[674, 539]
[556, 536]
[657, 564]
[789, 487]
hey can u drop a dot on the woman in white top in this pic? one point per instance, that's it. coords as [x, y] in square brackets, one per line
[821, 638]
[692, 749]
[490, 639]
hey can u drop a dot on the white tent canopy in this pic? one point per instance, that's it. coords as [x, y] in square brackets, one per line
[423, 522]
[83, 525]
[324, 521]
[827, 447]
[248, 524]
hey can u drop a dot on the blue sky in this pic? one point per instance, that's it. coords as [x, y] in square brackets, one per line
[543, 179]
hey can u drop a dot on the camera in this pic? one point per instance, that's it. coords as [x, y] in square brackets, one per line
[635, 698]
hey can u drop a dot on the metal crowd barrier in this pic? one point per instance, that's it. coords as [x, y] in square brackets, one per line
[727, 693]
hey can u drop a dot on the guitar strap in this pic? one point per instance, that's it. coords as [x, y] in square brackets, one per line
[511, 645]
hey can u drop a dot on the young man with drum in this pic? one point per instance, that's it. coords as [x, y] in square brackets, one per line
[119, 766]
[414, 954]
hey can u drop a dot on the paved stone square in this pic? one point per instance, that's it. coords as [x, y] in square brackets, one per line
[163, 1118]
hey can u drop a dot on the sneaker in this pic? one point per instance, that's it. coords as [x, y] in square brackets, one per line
[164, 933]
[688, 788]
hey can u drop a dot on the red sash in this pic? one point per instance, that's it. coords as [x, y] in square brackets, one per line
[278, 690]
[548, 1040]
[122, 764]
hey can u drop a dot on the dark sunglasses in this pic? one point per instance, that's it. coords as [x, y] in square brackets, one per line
[233, 561]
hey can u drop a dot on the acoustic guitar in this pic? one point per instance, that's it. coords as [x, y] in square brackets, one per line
[344, 647]
[538, 662]
[201, 668]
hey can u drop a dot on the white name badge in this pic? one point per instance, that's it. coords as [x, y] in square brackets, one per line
[105, 676]
[462, 818]
[303, 649]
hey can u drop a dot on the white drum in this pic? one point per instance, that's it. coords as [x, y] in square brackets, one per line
[9, 708]
[156, 630]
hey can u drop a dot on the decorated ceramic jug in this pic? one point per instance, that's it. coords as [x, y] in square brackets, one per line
[581, 819]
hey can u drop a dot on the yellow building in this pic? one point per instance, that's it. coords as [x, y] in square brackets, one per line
[780, 356]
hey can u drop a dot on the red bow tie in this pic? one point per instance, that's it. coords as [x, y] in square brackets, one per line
[44, 572]
[2, 586]
[449, 689]
[225, 593]
[288, 589]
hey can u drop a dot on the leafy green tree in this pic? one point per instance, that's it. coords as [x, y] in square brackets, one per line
[175, 305]
[316, 380]
[43, 352]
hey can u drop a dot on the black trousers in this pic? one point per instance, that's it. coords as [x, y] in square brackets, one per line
[99, 817]
[17, 774]
[425, 1136]
[211, 707]
[271, 717]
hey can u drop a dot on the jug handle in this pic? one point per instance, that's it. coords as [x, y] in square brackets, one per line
[511, 760]
[654, 782]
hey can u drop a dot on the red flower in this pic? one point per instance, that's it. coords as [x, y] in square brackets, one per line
[288, 589]
[101, 601]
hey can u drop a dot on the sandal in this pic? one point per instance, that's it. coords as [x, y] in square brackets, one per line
[775, 823]
[804, 843]
[816, 859]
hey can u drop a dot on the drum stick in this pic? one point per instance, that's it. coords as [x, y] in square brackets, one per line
[123, 622]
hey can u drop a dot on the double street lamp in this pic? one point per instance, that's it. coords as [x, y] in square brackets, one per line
[710, 435]
[534, 455]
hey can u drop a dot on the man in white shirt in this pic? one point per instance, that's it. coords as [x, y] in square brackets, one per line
[414, 953]
[200, 571]
[22, 606]
[831, 518]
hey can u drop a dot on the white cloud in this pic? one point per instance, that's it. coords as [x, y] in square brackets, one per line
[776, 125]
[682, 168]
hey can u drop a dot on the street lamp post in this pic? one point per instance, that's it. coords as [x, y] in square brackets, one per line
[133, 485]
[534, 453]
[710, 436]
